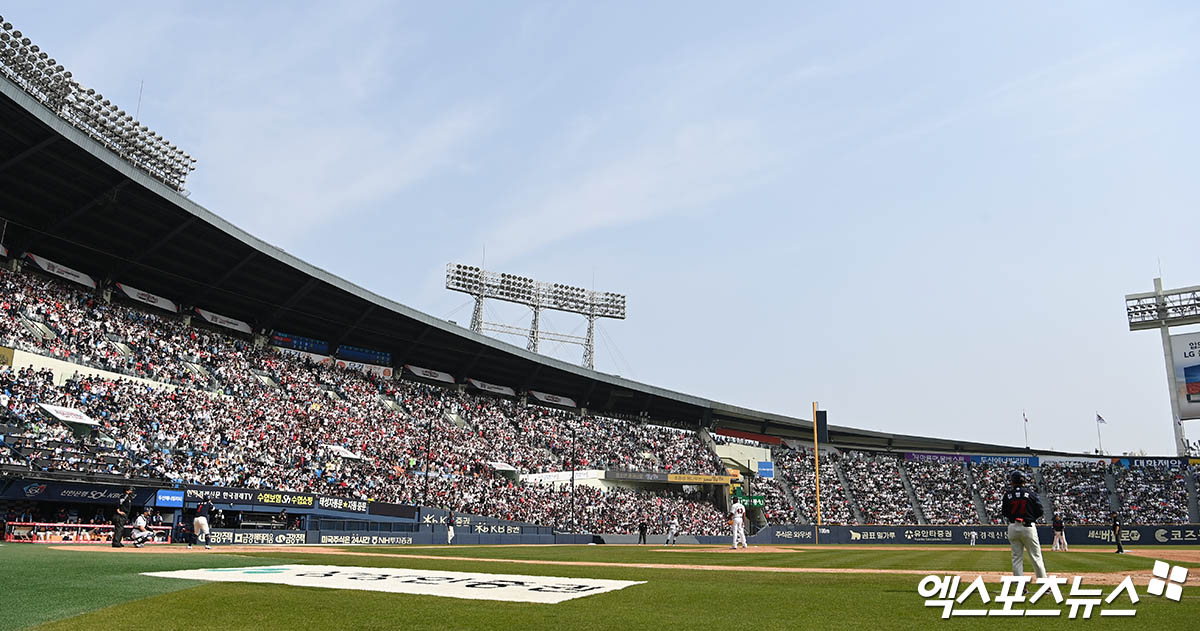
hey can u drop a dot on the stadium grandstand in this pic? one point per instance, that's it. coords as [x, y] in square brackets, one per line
[147, 341]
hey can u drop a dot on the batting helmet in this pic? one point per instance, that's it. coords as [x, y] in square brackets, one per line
[1016, 478]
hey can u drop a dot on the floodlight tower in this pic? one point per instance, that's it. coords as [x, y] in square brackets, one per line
[1162, 309]
[482, 284]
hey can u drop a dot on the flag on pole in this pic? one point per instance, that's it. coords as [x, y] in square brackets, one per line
[1100, 419]
[1024, 417]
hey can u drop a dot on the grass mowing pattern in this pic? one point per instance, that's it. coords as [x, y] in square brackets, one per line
[671, 599]
[37, 584]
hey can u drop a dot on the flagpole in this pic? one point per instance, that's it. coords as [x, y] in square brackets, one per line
[1025, 424]
[1098, 439]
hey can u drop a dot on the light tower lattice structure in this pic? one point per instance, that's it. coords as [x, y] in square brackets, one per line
[482, 285]
[1163, 309]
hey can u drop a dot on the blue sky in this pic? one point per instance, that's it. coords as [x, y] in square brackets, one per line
[923, 215]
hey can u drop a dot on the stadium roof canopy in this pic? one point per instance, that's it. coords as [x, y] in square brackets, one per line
[69, 199]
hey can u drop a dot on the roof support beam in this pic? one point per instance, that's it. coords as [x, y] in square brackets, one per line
[469, 366]
[361, 318]
[34, 238]
[20, 157]
[137, 257]
[296, 296]
[203, 292]
[413, 344]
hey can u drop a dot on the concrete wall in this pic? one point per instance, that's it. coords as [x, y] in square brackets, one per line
[64, 370]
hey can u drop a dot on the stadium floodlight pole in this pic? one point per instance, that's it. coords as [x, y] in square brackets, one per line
[817, 461]
[1162, 309]
[482, 285]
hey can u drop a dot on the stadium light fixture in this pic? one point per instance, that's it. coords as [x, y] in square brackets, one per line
[482, 285]
[33, 70]
[1163, 309]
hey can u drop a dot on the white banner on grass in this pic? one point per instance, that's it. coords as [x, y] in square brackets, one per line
[220, 320]
[62, 271]
[148, 298]
[67, 415]
[494, 389]
[426, 373]
[553, 399]
[520, 588]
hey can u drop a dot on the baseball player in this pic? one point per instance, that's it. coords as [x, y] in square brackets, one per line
[738, 513]
[1116, 530]
[1060, 537]
[1022, 508]
[141, 528]
[450, 529]
[200, 523]
[672, 532]
[974, 536]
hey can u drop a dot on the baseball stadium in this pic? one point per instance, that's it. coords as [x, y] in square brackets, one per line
[201, 430]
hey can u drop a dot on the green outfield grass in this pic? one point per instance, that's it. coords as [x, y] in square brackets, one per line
[89, 590]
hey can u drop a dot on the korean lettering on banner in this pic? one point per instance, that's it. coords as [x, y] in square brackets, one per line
[341, 504]
[257, 537]
[219, 494]
[944, 592]
[353, 539]
[1006, 460]
[926, 457]
[280, 498]
[380, 371]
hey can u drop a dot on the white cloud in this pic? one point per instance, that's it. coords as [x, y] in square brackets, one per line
[686, 171]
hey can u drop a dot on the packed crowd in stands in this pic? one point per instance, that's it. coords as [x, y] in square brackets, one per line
[1152, 495]
[877, 487]
[778, 509]
[942, 491]
[1078, 490]
[799, 473]
[228, 426]
[220, 411]
[991, 480]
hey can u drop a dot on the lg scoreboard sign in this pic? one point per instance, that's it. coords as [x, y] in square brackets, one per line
[1185, 349]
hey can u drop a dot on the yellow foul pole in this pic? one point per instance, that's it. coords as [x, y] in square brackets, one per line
[817, 461]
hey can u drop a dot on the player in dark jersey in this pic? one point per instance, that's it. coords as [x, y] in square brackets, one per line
[1060, 536]
[200, 524]
[1116, 530]
[1022, 508]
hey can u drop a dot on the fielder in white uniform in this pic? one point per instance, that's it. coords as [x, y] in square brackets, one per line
[672, 532]
[738, 512]
[974, 535]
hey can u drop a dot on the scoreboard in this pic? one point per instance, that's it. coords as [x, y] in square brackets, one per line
[300, 343]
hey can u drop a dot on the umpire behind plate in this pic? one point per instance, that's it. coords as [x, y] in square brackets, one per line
[1022, 508]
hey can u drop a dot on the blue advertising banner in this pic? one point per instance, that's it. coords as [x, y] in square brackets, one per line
[166, 498]
[766, 469]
